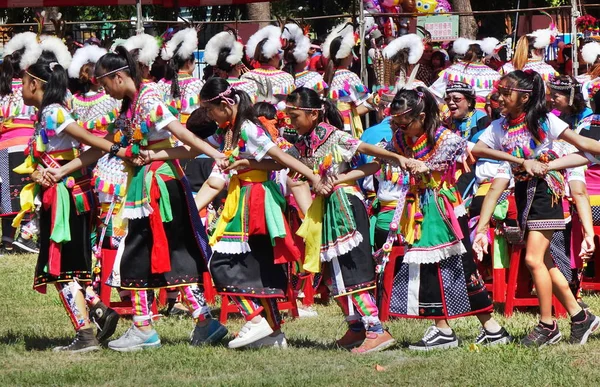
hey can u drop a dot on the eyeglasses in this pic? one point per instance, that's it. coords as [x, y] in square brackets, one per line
[454, 99]
[396, 126]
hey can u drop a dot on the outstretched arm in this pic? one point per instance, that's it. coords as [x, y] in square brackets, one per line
[572, 160]
[381, 153]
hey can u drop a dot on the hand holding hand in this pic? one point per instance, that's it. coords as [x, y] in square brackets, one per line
[416, 166]
[237, 165]
[535, 168]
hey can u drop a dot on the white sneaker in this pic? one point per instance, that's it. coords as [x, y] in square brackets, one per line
[278, 341]
[306, 311]
[250, 333]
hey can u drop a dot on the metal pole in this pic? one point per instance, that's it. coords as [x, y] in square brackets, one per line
[139, 29]
[363, 49]
[574, 15]
[516, 28]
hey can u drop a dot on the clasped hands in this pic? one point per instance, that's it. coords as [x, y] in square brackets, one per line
[535, 168]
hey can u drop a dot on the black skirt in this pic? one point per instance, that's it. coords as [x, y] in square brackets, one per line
[355, 270]
[536, 207]
[252, 274]
[76, 255]
[12, 182]
[187, 246]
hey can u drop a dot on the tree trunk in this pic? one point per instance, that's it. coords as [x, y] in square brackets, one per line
[468, 25]
[259, 11]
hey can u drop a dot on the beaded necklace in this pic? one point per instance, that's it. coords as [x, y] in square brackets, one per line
[455, 125]
[519, 142]
[225, 139]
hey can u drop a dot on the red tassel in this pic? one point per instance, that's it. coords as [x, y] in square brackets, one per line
[159, 111]
[54, 253]
[160, 260]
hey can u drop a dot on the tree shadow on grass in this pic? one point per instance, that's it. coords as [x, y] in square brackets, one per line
[34, 343]
[311, 344]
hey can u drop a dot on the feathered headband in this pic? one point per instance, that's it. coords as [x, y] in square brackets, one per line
[487, 45]
[48, 44]
[182, 44]
[545, 36]
[147, 45]
[591, 52]
[293, 32]
[412, 42]
[27, 40]
[346, 32]
[86, 54]
[223, 41]
[566, 86]
[270, 48]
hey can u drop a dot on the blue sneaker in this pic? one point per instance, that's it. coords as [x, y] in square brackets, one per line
[211, 333]
[135, 340]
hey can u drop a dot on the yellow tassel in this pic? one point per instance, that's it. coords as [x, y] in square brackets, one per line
[118, 136]
[60, 117]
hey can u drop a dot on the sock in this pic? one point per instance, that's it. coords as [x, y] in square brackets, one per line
[356, 326]
[377, 328]
[492, 326]
[549, 326]
[579, 317]
[446, 331]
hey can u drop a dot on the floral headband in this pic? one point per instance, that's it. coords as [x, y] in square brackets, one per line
[223, 96]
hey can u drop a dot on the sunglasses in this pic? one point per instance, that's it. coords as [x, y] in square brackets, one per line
[402, 127]
[453, 99]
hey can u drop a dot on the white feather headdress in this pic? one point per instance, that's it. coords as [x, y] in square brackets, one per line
[27, 40]
[188, 38]
[57, 47]
[487, 45]
[414, 44]
[346, 31]
[223, 41]
[293, 32]
[544, 37]
[147, 45]
[86, 54]
[271, 47]
[590, 52]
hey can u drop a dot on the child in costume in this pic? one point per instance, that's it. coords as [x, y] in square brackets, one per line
[165, 245]
[336, 226]
[524, 137]
[265, 48]
[16, 128]
[145, 50]
[351, 96]
[181, 89]
[295, 56]
[224, 52]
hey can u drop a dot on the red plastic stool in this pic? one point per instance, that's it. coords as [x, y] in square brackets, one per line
[388, 281]
[593, 283]
[498, 284]
[518, 290]
[107, 261]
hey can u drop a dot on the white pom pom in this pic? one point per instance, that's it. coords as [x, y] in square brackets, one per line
[58, 48]
[488, 45]
[293, 32]
[86, 54]
[414, 44]
[147, 45]
[270, 48]
[188, 38]
[461, 45]
[590, 52]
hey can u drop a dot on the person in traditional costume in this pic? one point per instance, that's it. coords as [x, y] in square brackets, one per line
[351, 96]
[265, 48]
[165, 245]
[524, 137]
[438, 278]
[16, 128]
[145, 49]
[336, 225]
[530, 53]
[252, 241]
[67, 202]
[181, 89]
[93, 108]
[295, 56]
[404, 53]
[470, 69]
[224, 53]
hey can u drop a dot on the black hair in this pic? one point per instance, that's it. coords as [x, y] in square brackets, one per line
[473, 54]
[308, 98]
[419, 100]
[265, 109]
[158, 69]
[86, 72]
[10, 68]
[55, 79]
[245, 111]
[258, 52]
[333, 62]
[222, 63]
[200, 123]
[579, 103]
[441, 56]
[535, 108]
[173, 66]
[113, 61]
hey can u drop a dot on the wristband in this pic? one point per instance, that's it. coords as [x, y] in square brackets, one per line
[114, 149]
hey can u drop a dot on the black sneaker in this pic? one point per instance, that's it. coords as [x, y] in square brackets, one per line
[85, 341]
[106, 319]
[27, 245]
[435, 339]
[580, 331]
[583, 305]
[211, 333]
[542, 336]
[487, 338]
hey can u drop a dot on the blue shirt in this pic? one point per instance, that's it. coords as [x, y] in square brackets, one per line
[374, 135]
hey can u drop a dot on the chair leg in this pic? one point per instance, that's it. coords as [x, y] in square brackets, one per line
[513, 274]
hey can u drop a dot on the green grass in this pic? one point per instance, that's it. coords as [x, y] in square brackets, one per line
[31, 324]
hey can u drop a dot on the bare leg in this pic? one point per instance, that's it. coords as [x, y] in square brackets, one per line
[538, 243]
